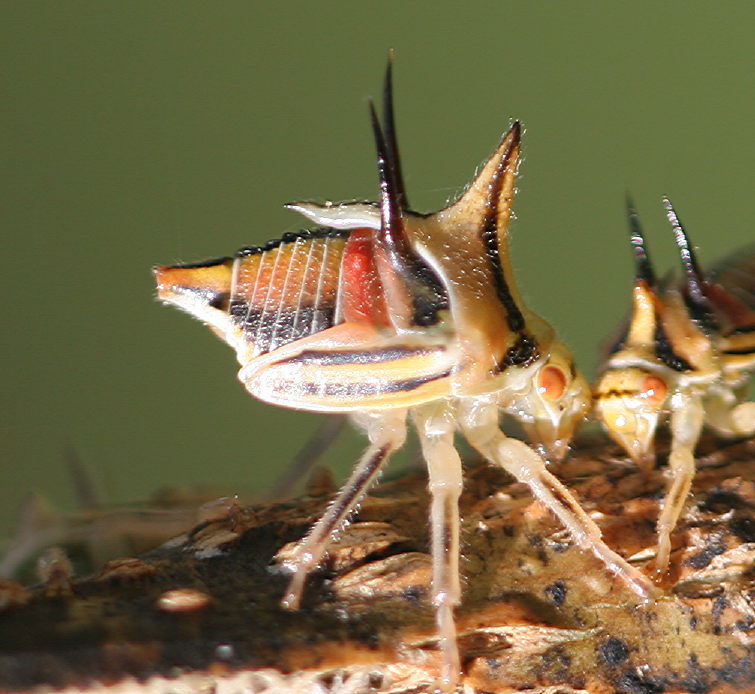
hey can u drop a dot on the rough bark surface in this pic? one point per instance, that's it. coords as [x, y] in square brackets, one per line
[201, 613]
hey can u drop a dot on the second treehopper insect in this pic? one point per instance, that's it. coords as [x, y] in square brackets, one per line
[685, 354]
[389, 314]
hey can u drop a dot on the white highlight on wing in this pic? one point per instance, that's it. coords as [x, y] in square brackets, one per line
[347, 215]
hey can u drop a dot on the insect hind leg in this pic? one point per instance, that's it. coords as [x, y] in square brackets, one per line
[686, 424]
[387, 432]
[436, 427]
[481, 429]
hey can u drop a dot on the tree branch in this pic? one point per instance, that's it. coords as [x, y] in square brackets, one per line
[202, 614]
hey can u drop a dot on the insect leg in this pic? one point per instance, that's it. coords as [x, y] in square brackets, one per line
[481, 429]
[686, 423]
[725, 412]
[387, 432]
[436, 427]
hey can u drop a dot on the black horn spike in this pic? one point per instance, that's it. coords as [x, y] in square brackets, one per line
[389, 126]
[390, 210]
[694, 279]
[427, 292]
[693, 276]
[643, 265]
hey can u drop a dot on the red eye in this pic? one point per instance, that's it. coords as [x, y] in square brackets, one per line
[552, 383]
[654, 389]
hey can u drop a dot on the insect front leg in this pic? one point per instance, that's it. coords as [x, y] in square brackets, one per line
[436, 426]
[480, 425]
[686, 423]
[386, 432]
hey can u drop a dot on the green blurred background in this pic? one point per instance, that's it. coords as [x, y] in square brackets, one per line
[137, 133]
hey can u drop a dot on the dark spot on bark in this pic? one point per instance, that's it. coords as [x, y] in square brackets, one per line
[705, 556]
[696, 680]
[614, 650]
[719, 605]
[744, 529]
[493, 663]
[327, 680]
[698, 591]
[413, 594]
[536, 541]
[632, 683]
[561, 656]
[720, 501]
[556, 592]
[740, 671]
[559, 547]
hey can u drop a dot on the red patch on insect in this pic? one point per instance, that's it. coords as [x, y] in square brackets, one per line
[363, 300]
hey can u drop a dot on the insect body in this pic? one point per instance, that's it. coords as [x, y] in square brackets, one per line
[386, 313]
[685, 355]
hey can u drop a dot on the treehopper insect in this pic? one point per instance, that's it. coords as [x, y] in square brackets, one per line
[685, 354]
[386, 313]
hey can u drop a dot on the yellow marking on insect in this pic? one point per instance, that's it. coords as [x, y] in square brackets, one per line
[385, 313]
[686, 357]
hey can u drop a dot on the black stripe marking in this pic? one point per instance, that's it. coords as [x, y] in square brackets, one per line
[354, 390]
[522, 353]
[559, 497]
[744, 330]
[745, 350]
[450, 508]
[489, 237]
[290, 237]
[700, 313]
[354, 489]
[202, 263]
[359, 356]
[615, 393]
[665, 352]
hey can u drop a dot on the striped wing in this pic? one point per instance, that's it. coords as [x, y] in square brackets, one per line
[267, 297]
[309, 322]
[287, 290]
